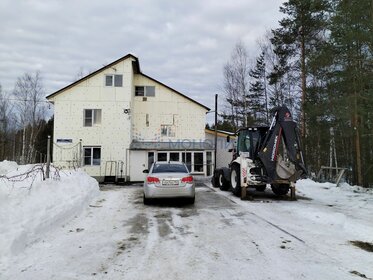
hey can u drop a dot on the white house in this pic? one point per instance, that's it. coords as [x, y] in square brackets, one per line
[116, 121]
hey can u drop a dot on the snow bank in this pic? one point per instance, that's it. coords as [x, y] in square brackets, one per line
[30, 207]
[343, 187]
[7, 166]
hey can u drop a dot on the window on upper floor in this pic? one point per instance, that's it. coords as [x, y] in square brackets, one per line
[167, 130]
[114, 80]
[148, 91]
[92, 117]
[92, 155]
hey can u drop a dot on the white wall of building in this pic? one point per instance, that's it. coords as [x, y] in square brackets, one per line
[223, 156]
[119, 127]
[186, 118]
[114, 132]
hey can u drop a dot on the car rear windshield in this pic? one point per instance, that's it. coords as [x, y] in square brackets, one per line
[169, 168]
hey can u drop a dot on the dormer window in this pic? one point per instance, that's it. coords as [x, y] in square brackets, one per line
[114, 80]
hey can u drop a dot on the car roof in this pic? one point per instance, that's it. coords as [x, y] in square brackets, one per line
[169, 162]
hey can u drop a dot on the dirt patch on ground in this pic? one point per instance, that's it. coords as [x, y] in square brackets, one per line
[188, 213]
[357, 273]
[164, 222]
[363, 245]
[303, 197]
[139, 224]
[268, 196]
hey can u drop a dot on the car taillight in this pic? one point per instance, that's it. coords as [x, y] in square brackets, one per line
[152, 180]
[188, 179]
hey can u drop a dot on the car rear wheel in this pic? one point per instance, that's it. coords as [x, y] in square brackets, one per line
[146, 200]
[191, 200]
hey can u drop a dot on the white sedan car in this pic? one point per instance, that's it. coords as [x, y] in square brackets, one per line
[168, 179]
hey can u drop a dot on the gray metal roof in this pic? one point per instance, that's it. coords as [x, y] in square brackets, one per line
[183, 145]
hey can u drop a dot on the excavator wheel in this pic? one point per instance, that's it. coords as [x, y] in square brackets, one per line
[222, 182]
[235, 180]
[280, 189]
[215, 180]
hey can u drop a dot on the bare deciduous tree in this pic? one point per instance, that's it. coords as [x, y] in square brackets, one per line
[282, 86]
[5, 122]
[30, 108]
[236, 86]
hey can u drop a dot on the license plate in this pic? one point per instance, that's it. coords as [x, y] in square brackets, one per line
[170, 182]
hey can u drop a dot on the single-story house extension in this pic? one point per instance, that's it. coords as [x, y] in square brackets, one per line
[225, 143]
[116, 121]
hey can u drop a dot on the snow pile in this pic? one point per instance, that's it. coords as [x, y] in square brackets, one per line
[343, 187]
[30, 207]
[7, 166]
[355, 189]
[342, 201]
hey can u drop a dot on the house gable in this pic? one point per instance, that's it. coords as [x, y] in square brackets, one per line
[111, 68]
[167, 108]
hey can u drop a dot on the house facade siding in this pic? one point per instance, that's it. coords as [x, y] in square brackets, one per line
[186, 119]
[104, 149]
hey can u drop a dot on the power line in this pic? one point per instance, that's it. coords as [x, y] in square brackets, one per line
[26, 100]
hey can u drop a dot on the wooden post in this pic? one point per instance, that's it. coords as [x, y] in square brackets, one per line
[292, 191]
[243, 192]
[80, 153]
[48, 156]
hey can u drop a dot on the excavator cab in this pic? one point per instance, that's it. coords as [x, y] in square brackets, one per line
[249, 141]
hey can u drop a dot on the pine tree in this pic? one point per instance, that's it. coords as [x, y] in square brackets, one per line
[352, 102]
[258, 91]
[295, 40]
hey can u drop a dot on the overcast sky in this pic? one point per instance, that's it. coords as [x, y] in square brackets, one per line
[183, 44]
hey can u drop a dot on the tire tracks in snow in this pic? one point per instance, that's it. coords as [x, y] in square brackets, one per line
[261, 218]
[340, 266]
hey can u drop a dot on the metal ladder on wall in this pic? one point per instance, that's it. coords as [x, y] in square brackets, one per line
[114, 172]
[120, 179]
[110, 172]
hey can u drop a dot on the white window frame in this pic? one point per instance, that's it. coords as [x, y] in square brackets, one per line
[91, 156]
[192, 162]
[95, 118]
[113, 80]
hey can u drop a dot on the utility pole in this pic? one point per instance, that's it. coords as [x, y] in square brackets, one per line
[216, 129]
[265, 93]
[303, 78]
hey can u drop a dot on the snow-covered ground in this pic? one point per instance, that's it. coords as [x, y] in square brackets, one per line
[66, 229]
[31, 207]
